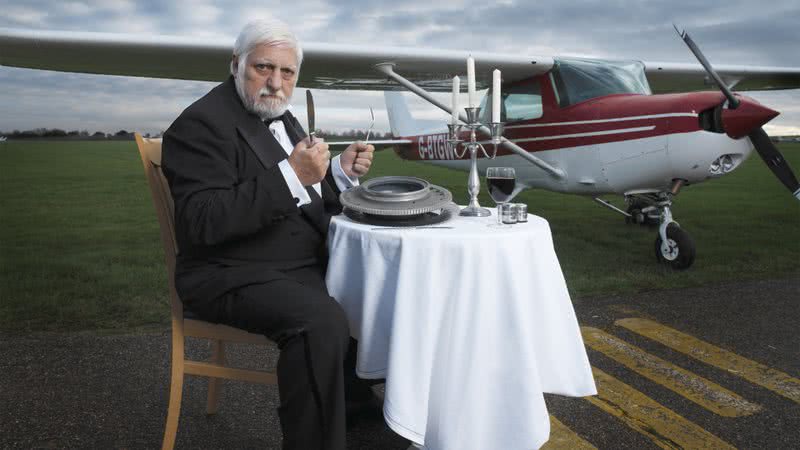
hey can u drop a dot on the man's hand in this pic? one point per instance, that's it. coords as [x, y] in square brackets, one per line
[357, 159]
[310, 163]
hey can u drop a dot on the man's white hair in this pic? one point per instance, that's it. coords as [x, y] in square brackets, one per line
[264, 31]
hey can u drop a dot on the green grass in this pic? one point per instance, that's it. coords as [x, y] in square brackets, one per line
[79, 243]
[80, 250]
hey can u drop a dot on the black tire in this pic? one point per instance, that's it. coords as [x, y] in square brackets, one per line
[681, 248]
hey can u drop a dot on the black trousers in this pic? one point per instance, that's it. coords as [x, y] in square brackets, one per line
[313, 336]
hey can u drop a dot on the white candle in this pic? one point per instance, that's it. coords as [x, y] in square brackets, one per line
[496, 95]
[471, 81]
[456, 92]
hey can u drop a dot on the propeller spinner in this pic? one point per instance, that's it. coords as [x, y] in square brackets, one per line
[748, 122]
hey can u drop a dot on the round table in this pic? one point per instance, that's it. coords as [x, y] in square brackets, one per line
[469, 324]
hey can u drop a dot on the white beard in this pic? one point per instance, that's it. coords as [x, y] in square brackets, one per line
[266, 104]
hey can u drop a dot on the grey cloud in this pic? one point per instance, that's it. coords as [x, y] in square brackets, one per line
[624, 29]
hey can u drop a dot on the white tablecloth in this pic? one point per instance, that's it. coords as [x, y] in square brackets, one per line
[468, 325]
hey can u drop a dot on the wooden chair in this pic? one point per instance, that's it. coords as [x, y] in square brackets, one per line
[215, 368]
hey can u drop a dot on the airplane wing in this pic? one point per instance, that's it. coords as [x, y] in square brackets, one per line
[327, 66]
[679, 77]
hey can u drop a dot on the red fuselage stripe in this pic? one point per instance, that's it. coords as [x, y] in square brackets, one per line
[558, 135]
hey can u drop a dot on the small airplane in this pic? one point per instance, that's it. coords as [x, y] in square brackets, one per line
[572, 125]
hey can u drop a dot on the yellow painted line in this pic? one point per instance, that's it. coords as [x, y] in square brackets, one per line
[754, 372]
[662, 425]
[562, 438]
[705, 393]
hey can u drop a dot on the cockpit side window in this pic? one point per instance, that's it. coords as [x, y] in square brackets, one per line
[520, 101]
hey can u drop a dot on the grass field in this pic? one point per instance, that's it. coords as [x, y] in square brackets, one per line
[79, 244]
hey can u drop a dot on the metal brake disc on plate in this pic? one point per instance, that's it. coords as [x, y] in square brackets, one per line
[396, 196]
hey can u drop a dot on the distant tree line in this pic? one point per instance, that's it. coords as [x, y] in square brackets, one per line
[352, 135]
[123, 135]
[785, 138]
[59, 134]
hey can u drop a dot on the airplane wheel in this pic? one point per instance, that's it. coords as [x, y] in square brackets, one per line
[679, 251]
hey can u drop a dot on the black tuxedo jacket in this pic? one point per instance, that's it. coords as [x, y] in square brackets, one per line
[236, 222]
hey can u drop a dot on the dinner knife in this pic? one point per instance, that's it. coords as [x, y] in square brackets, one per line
[310, 108]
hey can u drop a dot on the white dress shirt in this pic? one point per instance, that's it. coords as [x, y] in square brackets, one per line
[343, 182]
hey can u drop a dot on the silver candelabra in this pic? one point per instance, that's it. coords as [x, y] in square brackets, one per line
[474, 183]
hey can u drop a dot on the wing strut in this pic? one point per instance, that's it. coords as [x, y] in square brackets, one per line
[388, 70]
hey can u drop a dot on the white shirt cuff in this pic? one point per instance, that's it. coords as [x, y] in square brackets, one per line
[295, 186]
[343, 182]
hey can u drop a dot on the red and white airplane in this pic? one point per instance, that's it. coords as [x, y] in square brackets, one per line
[577, 126]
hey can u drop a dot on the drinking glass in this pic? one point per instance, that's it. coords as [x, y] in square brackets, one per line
[500, 182]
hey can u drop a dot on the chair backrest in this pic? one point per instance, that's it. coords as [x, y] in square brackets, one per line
[150, 151]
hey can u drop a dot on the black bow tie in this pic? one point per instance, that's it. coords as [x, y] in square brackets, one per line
[283, 117]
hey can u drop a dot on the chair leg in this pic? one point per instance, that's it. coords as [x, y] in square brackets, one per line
[215, 384]
[175, 393]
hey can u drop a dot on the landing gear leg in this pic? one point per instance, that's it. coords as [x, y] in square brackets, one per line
[673, 246]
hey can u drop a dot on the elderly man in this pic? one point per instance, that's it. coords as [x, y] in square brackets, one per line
[253, 198]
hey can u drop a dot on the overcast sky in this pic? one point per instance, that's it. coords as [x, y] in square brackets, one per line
[729, 32]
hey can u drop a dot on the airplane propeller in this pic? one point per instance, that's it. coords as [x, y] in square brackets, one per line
[762, 143]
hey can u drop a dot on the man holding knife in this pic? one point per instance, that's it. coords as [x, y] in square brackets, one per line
[253, 198]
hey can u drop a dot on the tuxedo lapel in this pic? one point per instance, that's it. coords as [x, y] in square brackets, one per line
[293, 128]
[261, 142]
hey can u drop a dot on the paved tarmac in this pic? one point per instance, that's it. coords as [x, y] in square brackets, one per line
[716, 366]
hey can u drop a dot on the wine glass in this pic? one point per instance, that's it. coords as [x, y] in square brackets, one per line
[500, 182]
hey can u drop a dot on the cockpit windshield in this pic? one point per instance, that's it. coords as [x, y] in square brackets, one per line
[577, 80]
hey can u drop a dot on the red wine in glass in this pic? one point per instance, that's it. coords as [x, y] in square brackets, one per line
[500, 182]
[500, 188]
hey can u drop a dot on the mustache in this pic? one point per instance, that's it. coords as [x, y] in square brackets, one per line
[268, 92]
